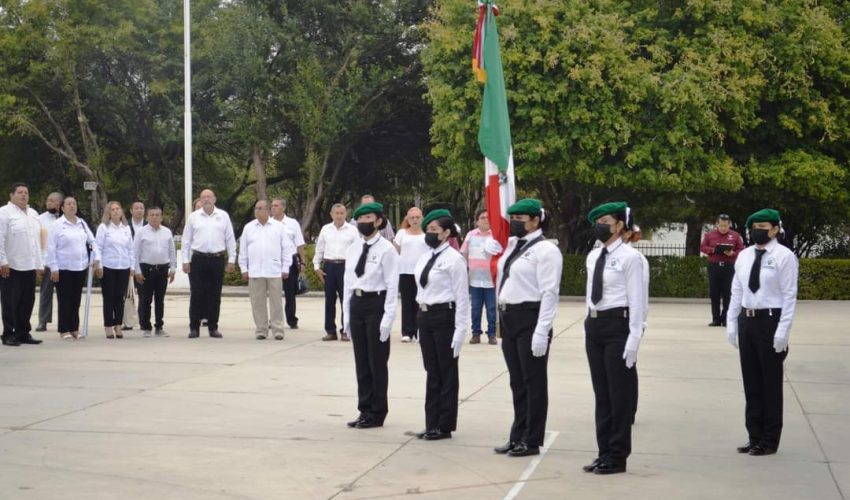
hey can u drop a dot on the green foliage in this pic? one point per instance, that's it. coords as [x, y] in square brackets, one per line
[824, 279]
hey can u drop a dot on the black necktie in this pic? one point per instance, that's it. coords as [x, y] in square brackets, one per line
[361, 263]
[510, 260]
[423, 280]
[755, 272]
[598, 271]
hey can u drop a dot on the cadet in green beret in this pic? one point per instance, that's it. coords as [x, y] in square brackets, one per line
[764, 296]
[369, 306]
[442, 292]
[617, 288]
[528, 285]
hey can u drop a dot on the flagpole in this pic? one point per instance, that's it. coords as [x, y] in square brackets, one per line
[187, 115]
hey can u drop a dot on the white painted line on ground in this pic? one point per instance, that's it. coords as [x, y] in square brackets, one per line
[550, 438]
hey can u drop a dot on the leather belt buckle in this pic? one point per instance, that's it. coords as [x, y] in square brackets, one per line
[750, 313]
[503, 307]
[594, 313]
[423, 307]
[358, 292]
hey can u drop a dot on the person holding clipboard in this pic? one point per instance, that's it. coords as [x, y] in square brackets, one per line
[722, 245]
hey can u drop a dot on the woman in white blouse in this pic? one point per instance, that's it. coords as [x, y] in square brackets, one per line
[114, 266]
[410, 243]
[68, 246]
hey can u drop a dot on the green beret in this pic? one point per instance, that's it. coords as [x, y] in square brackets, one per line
[368, 208]
[764, 215]
[606, 209]
[528, 206]
[434, 215]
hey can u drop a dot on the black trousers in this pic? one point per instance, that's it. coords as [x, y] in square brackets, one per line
[409, 307]
[113, 288]
[290, 290]
[436, 329]
[45, 299]
[762, 371]
[370, 356]
[528, 378]
[334, 285]
[206, 275]
[69, 291]
[17, 298]
[153, 290]
[614, 386]
[720, 289]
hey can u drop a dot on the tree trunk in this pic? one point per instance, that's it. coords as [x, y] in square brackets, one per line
[260, 172]
[693, 235]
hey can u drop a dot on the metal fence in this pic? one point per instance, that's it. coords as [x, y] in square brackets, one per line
[650, 249]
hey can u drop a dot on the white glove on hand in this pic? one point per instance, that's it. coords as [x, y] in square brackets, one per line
[631, 350]
[732, 338]
[539, 345]
[385, 331]
[457, 341]
[779, 344]
[492, 246]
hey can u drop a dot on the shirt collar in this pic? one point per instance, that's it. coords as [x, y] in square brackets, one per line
[770, 245]
[440, 248]
[375, 238]
[533, 235]
[614, 246]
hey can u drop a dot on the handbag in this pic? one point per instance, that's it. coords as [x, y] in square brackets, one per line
[131, 315]
[303, 287]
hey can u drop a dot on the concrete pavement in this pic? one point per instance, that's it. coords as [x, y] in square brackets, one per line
[173, 418]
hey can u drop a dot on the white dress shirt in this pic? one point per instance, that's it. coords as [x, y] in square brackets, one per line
[154, 247]
[265, 250]
[136, 226]
[777, 286]
[66, 245]
[333, 242]
[535, 276]
[293, 229]
[645, 284]
[114, 246]
[380, 273]
[20, 238]
[47, 219]
[624, 283]
[209, 233]
[410, 248]
[447, 282]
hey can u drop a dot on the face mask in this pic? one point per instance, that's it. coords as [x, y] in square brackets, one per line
[518, 228]
[366, 228]
[602, 232]
[760, 236]
[432, 240]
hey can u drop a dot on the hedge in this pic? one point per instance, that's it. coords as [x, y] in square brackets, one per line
[680, 277]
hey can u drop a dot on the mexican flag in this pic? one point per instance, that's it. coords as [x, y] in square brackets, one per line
[494, 133]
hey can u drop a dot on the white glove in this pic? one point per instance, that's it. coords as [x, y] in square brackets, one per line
[732, 338]
[779, 343]
[457, 341]
[539, 345]
[492, 246]
[631, 350]
[385, 328]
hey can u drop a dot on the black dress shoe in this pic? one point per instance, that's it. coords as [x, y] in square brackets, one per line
[744, 449]
[10, 342]
[215, 334]
[41, 328]
[30, 340]
[421, 435]
[436, 435]
[523, 450]
[592, 466]
[501, 450]
[356, 421]
[126, 328]
[714, 323]
[294, 327]
[193, 334]
[609, 468]
[368, 424]
[759, 450]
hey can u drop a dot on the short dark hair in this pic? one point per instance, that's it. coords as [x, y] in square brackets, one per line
[150, 208]
[723, 217]
[479, 212]
[16, 185]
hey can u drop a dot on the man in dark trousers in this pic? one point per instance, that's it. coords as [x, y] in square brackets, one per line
[722, 245]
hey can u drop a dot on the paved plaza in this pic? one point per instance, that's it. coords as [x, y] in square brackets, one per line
[237, 418]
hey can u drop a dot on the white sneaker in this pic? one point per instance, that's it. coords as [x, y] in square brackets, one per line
[405, 339]
[146, 333]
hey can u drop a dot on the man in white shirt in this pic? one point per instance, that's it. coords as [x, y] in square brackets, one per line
[329, 264]
[265, 257]
[156, 262]
[137, 222]
[45, 295]
[20, 262]
[290, 284]
[208, 238]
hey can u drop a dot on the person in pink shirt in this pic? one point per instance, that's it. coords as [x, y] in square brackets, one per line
[482, 291]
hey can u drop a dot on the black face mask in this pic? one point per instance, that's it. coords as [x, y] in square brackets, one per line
[760, 236]
[602, 232]
[432, 240]
[366, 228]
[518, 228]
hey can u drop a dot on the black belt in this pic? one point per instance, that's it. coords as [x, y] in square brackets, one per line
[333, 261]
[721, 264]
[614, 312]
[215, 255]
[155, 266]
[437, 307]
[522, 306]
[760, 313]
[362, 293]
